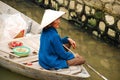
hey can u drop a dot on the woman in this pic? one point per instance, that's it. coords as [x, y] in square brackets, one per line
[52, 54]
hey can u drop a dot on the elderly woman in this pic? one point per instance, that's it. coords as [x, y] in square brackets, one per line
[52, 54]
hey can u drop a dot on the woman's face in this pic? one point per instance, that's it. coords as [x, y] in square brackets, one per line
[56, 23]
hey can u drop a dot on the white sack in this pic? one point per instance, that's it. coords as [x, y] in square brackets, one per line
[11, 25]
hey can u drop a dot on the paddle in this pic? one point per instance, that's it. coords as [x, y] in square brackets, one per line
[88, 65]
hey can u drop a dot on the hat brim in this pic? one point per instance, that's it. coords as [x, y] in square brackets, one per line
[50, 16]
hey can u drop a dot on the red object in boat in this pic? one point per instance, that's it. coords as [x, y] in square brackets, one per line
[29, 64]
[13, 44]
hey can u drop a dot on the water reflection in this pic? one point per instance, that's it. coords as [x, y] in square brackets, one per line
[104, 58]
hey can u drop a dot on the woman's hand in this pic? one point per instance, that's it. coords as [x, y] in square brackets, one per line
[72, 42]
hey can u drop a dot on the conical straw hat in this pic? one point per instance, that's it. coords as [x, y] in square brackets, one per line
[50, 16]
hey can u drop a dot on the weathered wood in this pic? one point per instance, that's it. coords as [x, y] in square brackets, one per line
[10, 53]
[29, 65]
[22, 66]
[26, 59]
[5, 48]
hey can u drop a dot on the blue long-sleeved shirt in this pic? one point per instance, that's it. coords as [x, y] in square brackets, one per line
[52, 55]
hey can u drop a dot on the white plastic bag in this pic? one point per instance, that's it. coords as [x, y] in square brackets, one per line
[12, 26]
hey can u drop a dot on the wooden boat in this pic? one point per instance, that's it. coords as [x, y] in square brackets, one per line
[28, 66]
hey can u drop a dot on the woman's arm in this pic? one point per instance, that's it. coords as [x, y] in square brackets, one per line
[66, 40]
[72, 42]
[59, 49]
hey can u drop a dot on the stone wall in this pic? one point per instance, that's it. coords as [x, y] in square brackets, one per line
[100, 18]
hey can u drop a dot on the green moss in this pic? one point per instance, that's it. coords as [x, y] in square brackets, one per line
[92, 21]
[99, 15]
[39, 0]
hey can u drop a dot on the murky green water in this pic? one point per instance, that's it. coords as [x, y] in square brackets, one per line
[102, 57]
[8, 75]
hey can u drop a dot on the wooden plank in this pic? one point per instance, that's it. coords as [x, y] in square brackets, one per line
[32, 41]
[10, 54]
[24, 59]
[36, 65]
[72, 70]
[5, 48]
[31, 44]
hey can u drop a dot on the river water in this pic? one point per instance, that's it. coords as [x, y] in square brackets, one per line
[101, 56]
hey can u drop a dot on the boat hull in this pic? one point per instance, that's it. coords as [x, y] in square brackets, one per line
[34, 73]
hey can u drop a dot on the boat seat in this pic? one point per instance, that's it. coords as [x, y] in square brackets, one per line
[27, 59]
[72, 70]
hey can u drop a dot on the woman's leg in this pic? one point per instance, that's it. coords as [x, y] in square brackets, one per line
[76, 61]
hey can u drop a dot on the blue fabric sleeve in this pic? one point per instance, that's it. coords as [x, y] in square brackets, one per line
[58, 46]
[65, 40]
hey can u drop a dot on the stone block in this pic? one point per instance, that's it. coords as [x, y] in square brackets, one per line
[87, 10]
[83, 18]
[95, 33]
[66, 2]
[93, 11]
[118, 24]
[108, 7]
[80, 1]
[54, 4]
[72, 14]
[79, 8]
[94, 3]
[104, 1]
[60, 1]
[109, 19]
[46, 2]
[117, 1]
[72, 4]
[66, 15]
[102, 26]
[116, 9]
[111, 32]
